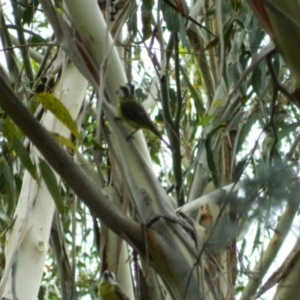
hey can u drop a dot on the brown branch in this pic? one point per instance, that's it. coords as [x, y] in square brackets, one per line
[63, 164]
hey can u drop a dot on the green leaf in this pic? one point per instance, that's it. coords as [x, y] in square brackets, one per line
[146, 16]
[10, 186]
[51, 103]
[228, 30]
[64, 141]
[246, 129]
[9, 129]
[256, 81]
[51, 183]
[236, 4]
[210, 155]
[11, 133]
[240, 168]
[29, 12]
[22, 153]
[288, 129]
[171, 17]
[182, 32]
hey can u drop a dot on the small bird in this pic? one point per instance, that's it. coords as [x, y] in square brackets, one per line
[109, 289]
[133, 113]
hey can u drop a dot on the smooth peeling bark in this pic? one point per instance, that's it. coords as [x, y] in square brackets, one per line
[28, 240]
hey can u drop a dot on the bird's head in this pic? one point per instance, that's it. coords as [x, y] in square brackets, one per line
[126, 90]
[108, 276]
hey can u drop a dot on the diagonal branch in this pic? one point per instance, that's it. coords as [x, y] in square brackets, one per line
[62, 163]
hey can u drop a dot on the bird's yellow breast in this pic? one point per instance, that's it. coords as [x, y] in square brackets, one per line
[133, 113]
[107, 292]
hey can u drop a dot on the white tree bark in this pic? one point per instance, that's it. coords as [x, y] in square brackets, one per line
[27, 241]
[182, 279]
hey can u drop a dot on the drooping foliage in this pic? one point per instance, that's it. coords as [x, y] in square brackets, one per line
[204, 220]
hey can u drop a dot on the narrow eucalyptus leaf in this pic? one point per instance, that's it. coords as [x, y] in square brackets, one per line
[24, 157]
[51, 183]
[53, 104]
[10, 187]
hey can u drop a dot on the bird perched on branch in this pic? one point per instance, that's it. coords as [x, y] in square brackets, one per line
[133, 113]
[109, 289]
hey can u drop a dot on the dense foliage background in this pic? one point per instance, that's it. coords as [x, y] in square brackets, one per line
[203, 221]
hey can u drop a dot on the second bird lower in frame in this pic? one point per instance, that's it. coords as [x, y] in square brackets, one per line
[109, 289]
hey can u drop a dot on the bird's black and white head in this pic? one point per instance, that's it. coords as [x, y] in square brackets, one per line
[126, 90]
[108, 276]
[109, 289]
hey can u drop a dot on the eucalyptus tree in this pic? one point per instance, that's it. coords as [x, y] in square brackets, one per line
[202, 220]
